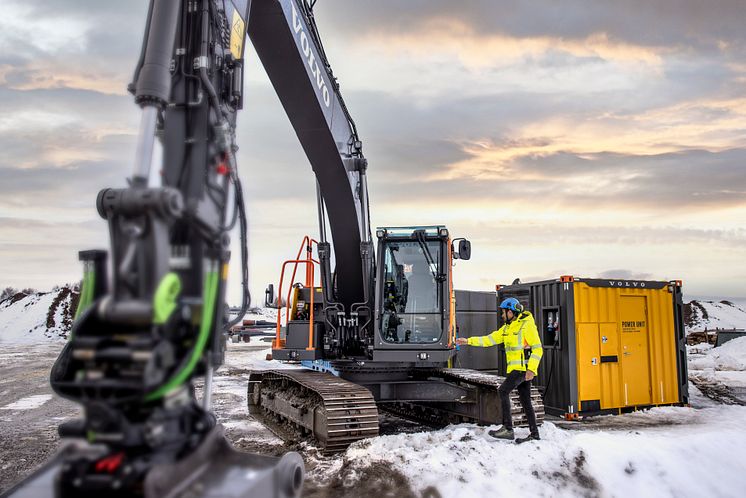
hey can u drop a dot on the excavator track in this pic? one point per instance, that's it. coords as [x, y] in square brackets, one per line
[303, 404]
[434, 416]
[492, 382]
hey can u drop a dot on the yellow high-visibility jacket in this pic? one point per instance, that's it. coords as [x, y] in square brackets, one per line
[518, 335]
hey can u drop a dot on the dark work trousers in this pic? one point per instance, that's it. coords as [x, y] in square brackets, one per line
[517, 380]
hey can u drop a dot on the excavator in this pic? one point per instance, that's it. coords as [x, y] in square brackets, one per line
[378, 329]
[150, 321]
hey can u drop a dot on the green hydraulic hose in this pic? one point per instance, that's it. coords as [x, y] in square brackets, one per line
[86, 292]
[208, 310]
[86, 296]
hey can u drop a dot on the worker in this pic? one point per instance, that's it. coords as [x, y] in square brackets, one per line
[518, 334]
[422, 289]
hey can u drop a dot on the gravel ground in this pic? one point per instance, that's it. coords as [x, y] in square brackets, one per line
[30, 413]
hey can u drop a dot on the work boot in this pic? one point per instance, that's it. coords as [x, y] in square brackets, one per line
[502, 433]
[530, 437]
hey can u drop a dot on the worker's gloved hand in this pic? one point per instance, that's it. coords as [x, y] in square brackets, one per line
[529, 375]
[461, 341]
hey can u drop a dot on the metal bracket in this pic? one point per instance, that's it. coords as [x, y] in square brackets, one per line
[201, 62]
[359, 164]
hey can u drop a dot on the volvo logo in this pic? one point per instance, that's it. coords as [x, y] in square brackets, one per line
[313, 64]
[626, 283]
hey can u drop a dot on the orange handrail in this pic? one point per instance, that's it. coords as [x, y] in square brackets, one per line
[308, 243]
[310, 324]
[310, 277]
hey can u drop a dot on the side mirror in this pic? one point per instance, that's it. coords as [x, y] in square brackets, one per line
[269, 296]
[464, 250]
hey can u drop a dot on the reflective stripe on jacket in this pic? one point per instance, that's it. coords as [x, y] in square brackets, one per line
[518, 335]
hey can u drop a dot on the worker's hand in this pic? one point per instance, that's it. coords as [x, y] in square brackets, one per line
[461, 341]
[529, 375]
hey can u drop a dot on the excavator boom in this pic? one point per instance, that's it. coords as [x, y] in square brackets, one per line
[284, 36]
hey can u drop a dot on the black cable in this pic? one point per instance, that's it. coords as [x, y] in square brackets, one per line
[370, 234]
[307, 8]
[209, 14]
[234, 216]
[213, 190]
[549, 380]
[188, 116]
[207, 7]
[246, 301]
[308, 12]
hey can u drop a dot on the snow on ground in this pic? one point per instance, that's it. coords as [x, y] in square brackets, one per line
[667, 451]
[267, 314]
[730, 356]
[670, 451]
[28, 403]
[720, 372]
[699, 400]
[712, 315]
[724, 365]
[245, 355]
[697, 453]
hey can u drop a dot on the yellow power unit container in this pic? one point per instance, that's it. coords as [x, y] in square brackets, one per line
[610, 345]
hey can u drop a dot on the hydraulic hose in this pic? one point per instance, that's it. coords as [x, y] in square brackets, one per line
[204, 77]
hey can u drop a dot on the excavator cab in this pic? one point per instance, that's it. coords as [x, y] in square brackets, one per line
[414, 319]
[413, 291]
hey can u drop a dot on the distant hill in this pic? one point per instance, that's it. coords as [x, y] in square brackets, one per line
[712, 315]
[34, 316]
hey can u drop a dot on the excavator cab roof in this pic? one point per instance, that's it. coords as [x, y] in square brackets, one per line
[408, 232]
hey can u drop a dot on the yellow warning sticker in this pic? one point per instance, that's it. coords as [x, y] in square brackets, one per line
[238, 34]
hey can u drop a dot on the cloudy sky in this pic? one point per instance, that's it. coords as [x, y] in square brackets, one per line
[593, 138]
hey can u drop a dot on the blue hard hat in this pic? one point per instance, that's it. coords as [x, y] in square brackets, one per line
[512, 304]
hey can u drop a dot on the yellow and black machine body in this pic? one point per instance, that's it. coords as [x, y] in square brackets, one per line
[407, 315]
[372, 316]
[393, 351]
[610, 345]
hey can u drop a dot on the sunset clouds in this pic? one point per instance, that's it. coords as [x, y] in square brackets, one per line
[574, 137]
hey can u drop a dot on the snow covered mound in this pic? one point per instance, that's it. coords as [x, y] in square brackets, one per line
[667, 460]
[720, 373]
[731, 356]
[712, 315]
[38, 316]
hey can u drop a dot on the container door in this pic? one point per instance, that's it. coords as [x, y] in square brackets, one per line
[611, 395]
[635, 355]
[589, 366]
